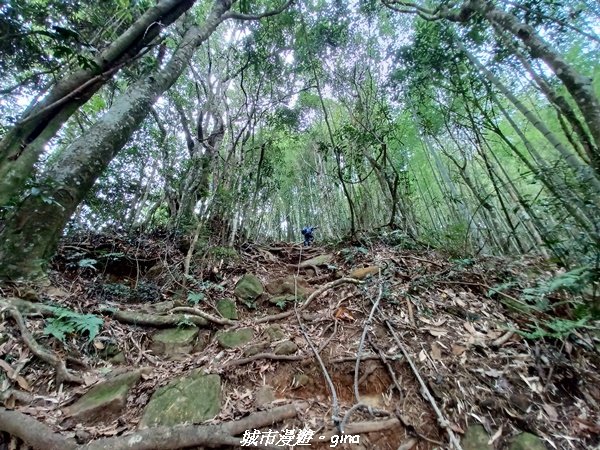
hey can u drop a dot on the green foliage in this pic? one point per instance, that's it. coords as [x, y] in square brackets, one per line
[69, 322]
[556, 328]
[226, 253]
[195, 297]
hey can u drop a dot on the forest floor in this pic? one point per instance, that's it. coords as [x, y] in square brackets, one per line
[439, 343]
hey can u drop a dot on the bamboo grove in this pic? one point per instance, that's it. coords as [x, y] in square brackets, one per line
[472, 127]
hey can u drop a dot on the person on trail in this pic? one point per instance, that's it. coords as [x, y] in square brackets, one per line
[307, 232]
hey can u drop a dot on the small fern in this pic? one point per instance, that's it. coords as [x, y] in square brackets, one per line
[69, 322]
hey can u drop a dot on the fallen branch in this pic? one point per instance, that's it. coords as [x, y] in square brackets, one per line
[40, 436]
[152, 320]
[62, 374]
[308, 301]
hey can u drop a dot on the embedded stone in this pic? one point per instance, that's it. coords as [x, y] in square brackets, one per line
[174, 341]
[275, 333]
[191, 399]
[235, 338]
[286, 348]
[527, 441]
[248, 288]
[104, 401]
[255, 349]
[227, 309]
[288, 286]
[476, 438]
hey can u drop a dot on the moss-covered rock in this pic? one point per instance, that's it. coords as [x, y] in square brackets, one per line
[191, 399]
[527, 441]
[227, 309]
[234, 338]
[275, 333]
[289, 286]
[476, 438]
[255, 349]
[174, 341]
[286, 348]
[264, 396]
[105, 401]
[248, 288]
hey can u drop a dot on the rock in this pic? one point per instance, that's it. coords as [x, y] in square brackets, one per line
[300, 380]
[527, 441]
[255, 349]
[275, 333]
[227, 309]
[286, 348]
[174, 341]
[234, 338]
[104, 401]
[248, 288]
[476, 438]
[289, 285]
[364, 272]
[190, 399]
[264, 396]
[320, 260]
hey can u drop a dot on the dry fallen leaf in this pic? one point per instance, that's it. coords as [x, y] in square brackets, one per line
[436, 351]
[422, 355]
[551, 411]
[458, 350]
[23, 384]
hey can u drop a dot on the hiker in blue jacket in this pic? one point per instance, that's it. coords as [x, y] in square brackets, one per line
[307, 232]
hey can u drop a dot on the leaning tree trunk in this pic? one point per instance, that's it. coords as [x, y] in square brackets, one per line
[21, 147]
[579, 86]
[30, 235]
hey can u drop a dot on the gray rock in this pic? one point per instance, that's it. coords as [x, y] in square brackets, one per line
[174, 341]
[527, 441]
[255, 349]
[190, 399]
[234, 338]
[227, 309]
[248, 288]
[286, 348]
[104, 401]
[476, 438]
[275, 333]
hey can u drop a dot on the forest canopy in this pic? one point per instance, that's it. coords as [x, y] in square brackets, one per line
[472, 127]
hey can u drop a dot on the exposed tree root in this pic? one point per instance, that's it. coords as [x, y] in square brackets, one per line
[40, 436]
[209, 317]
[308, 301]
[62, 373]
[153, 320]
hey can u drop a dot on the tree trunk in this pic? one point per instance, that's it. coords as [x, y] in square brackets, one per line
[21, 147]
[39, 219]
